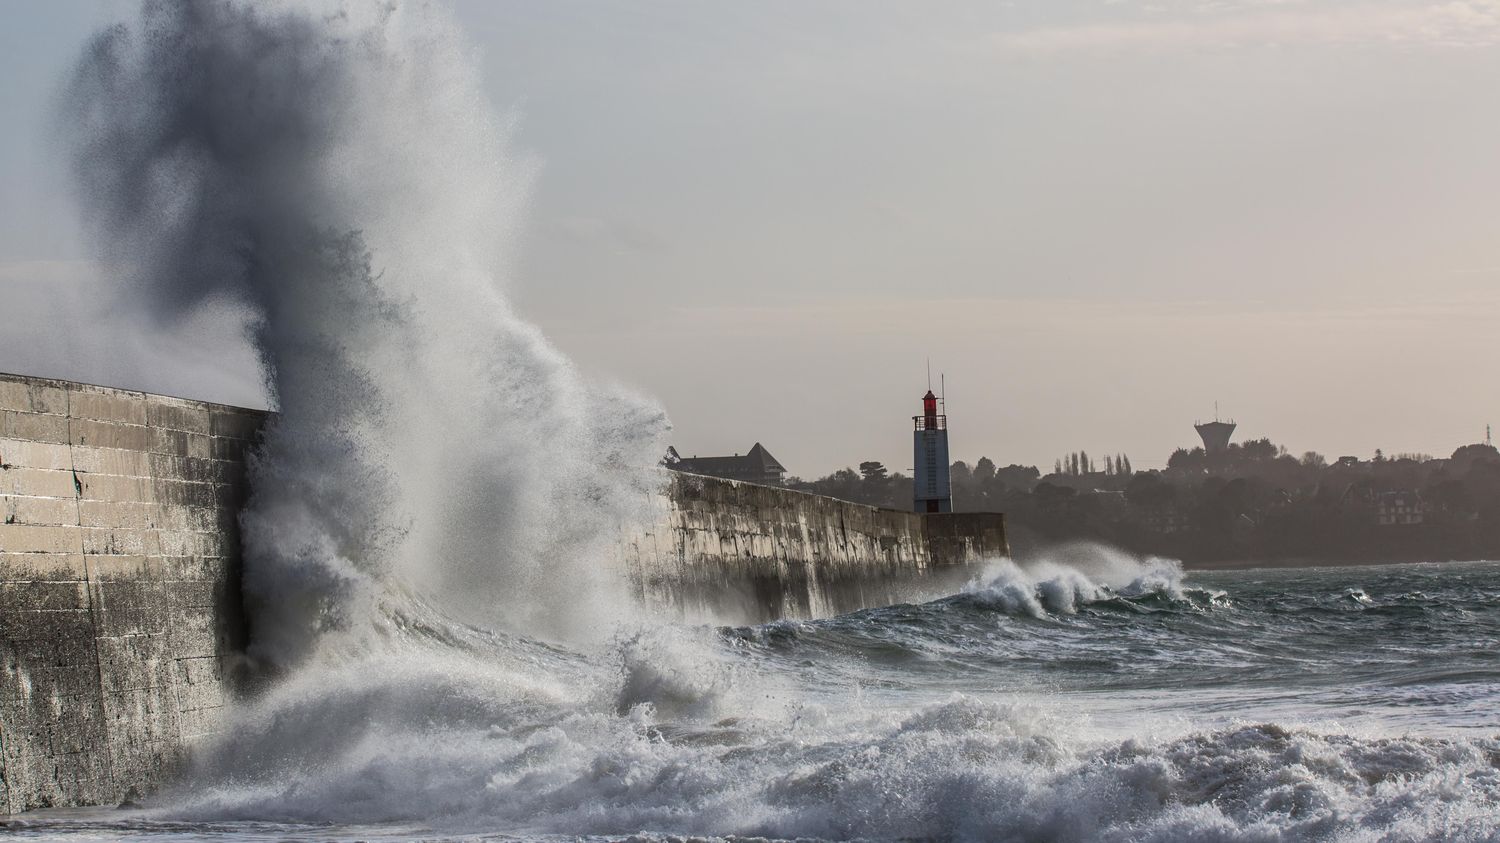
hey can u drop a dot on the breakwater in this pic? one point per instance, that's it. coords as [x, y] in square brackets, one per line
[121, 628]
[740, 553]
[120, 622]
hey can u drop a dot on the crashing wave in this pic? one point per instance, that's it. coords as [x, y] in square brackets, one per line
[334, 170]
[1063, 582]
[465, 752]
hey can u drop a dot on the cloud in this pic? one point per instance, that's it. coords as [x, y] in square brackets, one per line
[1462, 23]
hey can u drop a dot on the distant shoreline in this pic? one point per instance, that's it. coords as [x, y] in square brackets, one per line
[1311, 562]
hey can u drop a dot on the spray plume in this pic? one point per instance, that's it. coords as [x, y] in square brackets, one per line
[338, 175]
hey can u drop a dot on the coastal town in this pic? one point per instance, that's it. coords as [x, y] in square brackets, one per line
[1217, 503]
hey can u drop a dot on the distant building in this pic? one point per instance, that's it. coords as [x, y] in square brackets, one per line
[1387, 507]
[756, 466]
[1165, 518]
[1111, 502]
[1398, 508]
[1215, 435]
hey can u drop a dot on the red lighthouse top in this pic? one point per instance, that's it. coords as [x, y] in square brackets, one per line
[930, 419]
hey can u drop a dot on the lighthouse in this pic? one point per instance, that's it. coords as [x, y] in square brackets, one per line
[931, 490]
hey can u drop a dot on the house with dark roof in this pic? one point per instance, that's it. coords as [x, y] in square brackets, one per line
[756, 466]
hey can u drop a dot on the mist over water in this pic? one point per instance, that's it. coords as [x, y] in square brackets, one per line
[432, 512]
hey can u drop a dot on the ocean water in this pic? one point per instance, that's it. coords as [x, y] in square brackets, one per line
[1086, 697]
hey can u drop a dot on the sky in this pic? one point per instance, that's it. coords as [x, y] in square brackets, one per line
[1095, 219]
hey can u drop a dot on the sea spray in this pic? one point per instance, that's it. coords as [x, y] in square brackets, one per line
[1066, 577]
[335, 172]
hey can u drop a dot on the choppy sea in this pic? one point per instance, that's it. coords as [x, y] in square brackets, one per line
[1085, 697]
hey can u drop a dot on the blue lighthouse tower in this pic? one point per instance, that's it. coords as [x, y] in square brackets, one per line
[931, 488]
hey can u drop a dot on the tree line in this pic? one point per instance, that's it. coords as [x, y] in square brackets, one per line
[1251, 501]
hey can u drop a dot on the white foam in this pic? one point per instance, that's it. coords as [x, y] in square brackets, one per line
[472, 750]
[1067, 578]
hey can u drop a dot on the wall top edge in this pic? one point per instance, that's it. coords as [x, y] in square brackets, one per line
[100, 389]
[741, 484]
[688, 476]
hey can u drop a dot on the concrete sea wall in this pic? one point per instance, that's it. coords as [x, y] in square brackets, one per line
[740, 553]
[119, 605]
[121, 628]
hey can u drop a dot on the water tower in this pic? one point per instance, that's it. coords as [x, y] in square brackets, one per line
[1215, 434]
[931, 489]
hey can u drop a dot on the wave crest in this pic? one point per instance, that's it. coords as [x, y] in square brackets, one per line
[1062, 582]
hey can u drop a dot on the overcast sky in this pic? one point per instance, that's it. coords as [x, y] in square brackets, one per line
[1098, 218]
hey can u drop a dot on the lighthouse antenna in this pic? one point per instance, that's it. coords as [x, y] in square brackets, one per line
[929, 374]
[943, 389]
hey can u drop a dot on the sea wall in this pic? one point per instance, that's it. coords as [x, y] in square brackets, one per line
[120, 614]
[735, 552]
[121, 628]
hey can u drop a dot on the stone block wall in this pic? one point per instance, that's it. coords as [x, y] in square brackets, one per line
[732, 552]
[119, 604]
